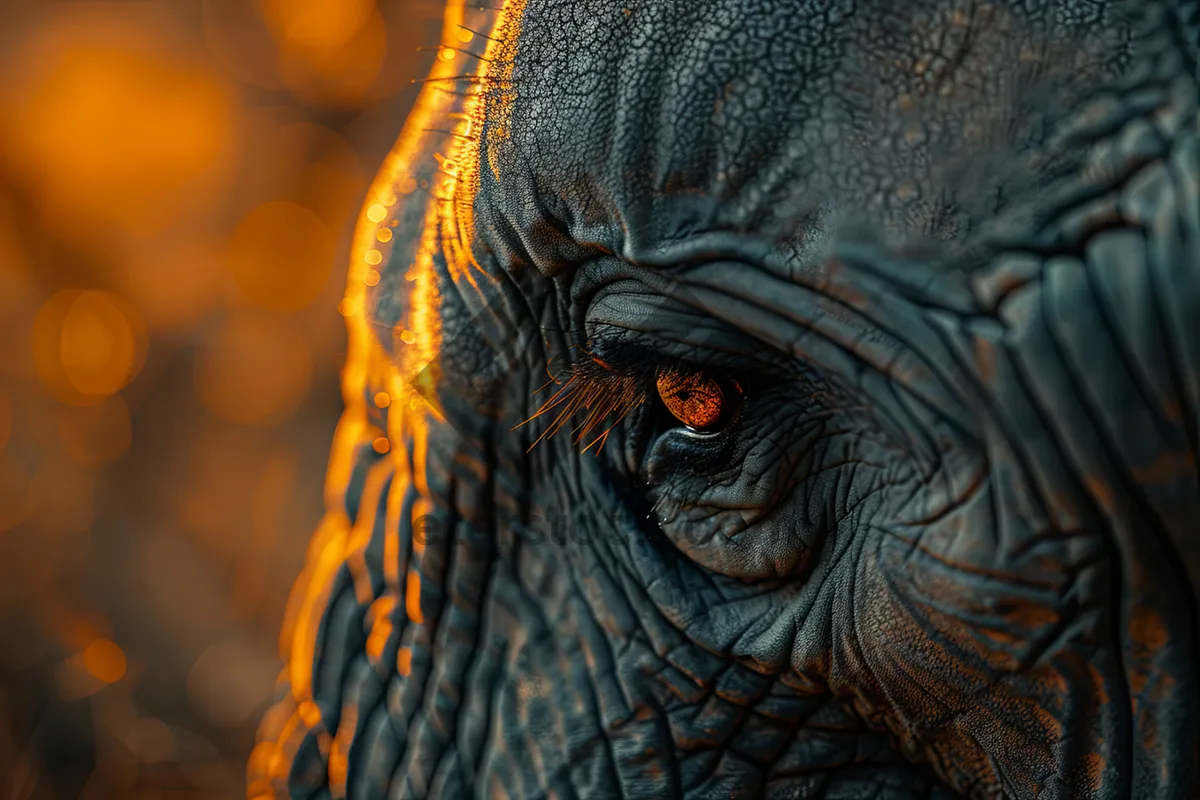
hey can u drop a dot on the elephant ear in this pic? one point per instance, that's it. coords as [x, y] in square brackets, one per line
[344, 629]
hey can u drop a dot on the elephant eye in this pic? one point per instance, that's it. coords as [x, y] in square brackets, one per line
[700, 402]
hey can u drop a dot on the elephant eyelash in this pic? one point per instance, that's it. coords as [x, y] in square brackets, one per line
[596, 389]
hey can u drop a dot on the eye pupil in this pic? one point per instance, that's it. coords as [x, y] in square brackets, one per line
[695, 399]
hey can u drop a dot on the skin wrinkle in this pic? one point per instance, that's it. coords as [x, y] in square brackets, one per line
[1156, 294]
[996, 417]
[1128, 359]
[1172, 357]
[854, 301]
[626, 587]
[795, 346]
[1020, 374]
[436, 625]
[1133, 491]
[479, 632]
[604, 730]
[1092, 406]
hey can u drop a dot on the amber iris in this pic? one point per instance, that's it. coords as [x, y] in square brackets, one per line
[696, 400]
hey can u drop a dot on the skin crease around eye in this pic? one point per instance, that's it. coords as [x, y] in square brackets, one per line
[696, 400]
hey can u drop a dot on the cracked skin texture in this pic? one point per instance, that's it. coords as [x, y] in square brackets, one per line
[944, 542]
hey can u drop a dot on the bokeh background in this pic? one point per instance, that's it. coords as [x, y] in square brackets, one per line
[178, 184]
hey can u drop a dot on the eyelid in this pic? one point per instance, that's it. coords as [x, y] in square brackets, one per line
[624, 356]
[642, 355]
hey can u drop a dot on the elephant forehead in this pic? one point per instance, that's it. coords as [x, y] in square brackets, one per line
[617, 104]
[647, 120]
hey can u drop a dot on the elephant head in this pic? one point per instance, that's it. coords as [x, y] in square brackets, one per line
[767, 398]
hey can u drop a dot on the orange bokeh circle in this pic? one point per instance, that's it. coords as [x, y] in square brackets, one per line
[88, 344]
[281, 255]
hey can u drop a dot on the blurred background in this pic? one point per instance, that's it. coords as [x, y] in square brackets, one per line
[178, 184]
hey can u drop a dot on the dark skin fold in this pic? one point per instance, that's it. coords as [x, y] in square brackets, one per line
[768, 399]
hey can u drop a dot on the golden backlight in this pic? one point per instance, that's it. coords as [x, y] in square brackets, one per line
[393, 369]
[179, 188]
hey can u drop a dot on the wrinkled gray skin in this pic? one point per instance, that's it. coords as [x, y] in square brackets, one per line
[946, 545]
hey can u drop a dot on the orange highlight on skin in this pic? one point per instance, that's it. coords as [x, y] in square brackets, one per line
[382, 373]
[379, 617]
[310, 714]
[339, 749]
[404, 662]
[412, 597]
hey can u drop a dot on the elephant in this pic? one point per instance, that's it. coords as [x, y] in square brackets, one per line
[767, 398]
